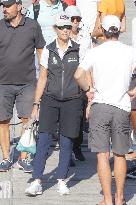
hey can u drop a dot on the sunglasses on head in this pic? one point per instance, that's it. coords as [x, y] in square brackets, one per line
[78, 18]
[68, 27]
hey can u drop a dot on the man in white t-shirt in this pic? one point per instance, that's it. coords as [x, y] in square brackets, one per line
[112, 64]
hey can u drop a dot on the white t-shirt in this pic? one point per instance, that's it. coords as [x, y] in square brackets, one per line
[112, 64]
[88, 10]
[134, 32]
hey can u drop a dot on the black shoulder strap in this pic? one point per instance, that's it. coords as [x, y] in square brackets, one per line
[36, 9]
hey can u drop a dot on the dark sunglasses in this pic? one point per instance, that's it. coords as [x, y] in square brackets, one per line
[78, 18]
[65, 26]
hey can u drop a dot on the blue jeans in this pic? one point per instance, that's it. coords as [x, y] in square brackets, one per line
[43, 146]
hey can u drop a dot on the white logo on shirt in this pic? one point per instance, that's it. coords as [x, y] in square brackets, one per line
[72, 60]
[55, 61]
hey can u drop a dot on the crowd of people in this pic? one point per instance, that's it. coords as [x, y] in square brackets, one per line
[62, 64]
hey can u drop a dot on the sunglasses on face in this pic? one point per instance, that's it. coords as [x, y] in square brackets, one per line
[78, 18]
[63, 27]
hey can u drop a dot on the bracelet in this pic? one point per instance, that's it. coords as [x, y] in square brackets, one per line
[87, 90]
[36, 103]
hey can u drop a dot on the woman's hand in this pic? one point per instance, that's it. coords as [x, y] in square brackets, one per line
[35, 113]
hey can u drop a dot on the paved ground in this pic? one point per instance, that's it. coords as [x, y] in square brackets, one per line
[82, 180]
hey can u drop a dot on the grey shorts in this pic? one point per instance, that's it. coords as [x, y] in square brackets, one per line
[109, 124]
[22, 95]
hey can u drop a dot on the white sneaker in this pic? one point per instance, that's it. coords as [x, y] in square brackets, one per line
[62, 187]
[34, 189]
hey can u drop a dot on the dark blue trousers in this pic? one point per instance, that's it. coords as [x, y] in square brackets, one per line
[43, 146]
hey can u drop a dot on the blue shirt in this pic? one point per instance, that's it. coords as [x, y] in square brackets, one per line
[46, 18]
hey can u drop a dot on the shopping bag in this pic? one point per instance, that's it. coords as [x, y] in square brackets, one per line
[27, 142]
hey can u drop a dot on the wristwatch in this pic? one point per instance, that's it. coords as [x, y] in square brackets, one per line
[36, 103]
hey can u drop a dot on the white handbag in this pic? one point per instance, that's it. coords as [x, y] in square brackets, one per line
[27, 142]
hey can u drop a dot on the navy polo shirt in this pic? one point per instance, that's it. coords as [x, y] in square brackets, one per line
[17, 46]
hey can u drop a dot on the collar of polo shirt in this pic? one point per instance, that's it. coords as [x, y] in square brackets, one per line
[60, 51]
[69, 44]
[21, 23]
